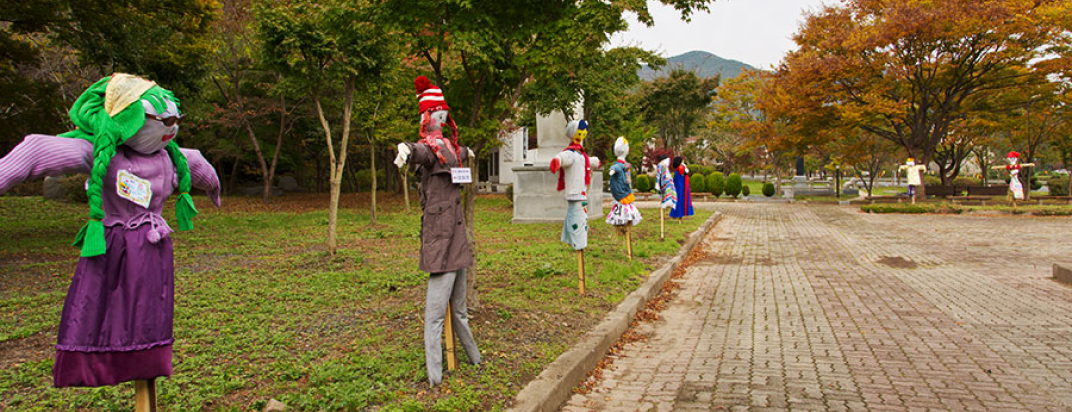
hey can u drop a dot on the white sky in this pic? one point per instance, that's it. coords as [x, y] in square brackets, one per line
[757, 32]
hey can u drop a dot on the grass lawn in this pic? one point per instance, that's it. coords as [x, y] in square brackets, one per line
[262, 312]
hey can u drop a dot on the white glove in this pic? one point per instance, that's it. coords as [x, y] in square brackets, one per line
[403, 155]
[658, 187]
[612, 172]
[471, 154]
[593, 162]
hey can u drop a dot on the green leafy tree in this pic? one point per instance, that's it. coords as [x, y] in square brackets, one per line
[677, 104]
[643, 184]
[334, 49]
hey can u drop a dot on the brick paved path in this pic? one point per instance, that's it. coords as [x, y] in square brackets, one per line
[821, 308]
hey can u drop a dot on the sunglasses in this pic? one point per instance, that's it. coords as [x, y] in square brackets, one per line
[167, 121]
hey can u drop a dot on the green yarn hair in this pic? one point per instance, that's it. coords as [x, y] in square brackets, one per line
[107, 133]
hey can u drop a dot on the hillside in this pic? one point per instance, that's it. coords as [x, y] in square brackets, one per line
[703, 63]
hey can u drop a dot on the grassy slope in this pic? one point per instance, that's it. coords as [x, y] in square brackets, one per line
[262, 312]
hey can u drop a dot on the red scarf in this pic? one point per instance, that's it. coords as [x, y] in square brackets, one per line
[587, 169]
[430, 138]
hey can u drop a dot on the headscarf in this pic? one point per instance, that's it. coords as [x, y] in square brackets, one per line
[107, 114]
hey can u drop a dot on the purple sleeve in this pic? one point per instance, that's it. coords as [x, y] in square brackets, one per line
[42, 155]
[203, 175]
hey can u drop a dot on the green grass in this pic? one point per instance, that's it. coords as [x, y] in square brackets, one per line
[262, 311]
[949, 208]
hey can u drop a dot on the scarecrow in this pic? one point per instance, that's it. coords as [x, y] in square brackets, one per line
[665, 185]
[1013, 165]
[117, 319]
[623, 213]
[574, 169]
[445, 250]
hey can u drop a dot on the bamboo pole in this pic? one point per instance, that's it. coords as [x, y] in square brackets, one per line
[629, 241]
[580, 270]
[145, 395]
[448, 331]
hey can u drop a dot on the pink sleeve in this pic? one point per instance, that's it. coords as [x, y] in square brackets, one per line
[203, 175]
[42, 155]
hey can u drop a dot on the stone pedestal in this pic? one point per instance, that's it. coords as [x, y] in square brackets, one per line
[536, 199]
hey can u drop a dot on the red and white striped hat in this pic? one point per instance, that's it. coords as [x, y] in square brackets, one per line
[429, 96]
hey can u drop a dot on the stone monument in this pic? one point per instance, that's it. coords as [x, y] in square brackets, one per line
[535, 197]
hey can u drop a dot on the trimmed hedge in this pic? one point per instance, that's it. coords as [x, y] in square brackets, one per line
[768, 189]
[1058, 186]
[643, 184]
[716, 184]
[746, 190]
[734, 185]
[918, 208]
[698, 183]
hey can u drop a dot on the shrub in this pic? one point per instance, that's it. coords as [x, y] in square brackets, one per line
[944, 208]
[733, 185]
[963, 181]
[75, 187]
[510, 194]
[768, 189]
[1058, 186]
[698, 182]
[643, 184]
[931, 180]
[700, 170]
[746, 190]
[716, 184]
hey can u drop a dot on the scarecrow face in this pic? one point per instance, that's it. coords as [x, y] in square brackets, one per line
[621, 147]
[1012, 160]
[156, 133]
[910, 162]
[436, 120]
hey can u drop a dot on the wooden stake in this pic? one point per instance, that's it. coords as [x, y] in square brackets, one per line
[662, 224]
[145, 396]
[628, 241]
[448, 331]
[580, 269]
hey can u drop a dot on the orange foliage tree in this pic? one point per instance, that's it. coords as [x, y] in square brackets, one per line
[908, 71]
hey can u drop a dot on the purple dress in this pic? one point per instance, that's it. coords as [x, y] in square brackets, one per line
[117, 319]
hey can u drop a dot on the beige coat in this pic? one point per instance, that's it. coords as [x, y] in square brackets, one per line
[444, 246]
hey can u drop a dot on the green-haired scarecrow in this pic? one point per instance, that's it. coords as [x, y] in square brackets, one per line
[116, 324]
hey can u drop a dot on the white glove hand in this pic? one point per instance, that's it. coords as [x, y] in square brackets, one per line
[658, 187]
[403, 155]
[471, 154]
[593, 162]
[612, 172]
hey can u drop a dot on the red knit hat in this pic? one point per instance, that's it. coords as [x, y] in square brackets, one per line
[1013, 154]
[429, 96]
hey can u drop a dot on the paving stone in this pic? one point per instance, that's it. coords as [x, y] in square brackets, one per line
[821, 308]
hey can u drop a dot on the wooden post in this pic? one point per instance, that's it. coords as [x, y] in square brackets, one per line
[580, 270]
[628, 241]
[662, 224]
[448, 331]
[145, 396]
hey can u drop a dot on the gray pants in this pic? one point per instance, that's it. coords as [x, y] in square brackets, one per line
[441, 287]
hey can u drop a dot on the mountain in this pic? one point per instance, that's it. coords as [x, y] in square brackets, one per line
[703, 63]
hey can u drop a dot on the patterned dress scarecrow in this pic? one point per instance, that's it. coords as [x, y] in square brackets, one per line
[445, 250]
[623, 212]
[117, 319]
[683, 207]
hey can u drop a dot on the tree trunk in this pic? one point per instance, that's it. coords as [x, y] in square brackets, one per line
[337, 163]
[372, 159]
[233, 180]
[473, 297]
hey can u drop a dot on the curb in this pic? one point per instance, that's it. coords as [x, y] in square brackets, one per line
[554, 386]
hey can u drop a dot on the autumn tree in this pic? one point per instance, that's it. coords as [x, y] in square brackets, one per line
[907, 71]
[335, 49]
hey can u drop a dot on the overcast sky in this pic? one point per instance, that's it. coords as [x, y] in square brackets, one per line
[757, 32]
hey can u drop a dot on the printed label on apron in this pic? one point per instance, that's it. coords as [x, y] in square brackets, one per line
[133, 188]
[461, 175]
